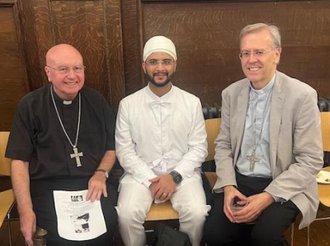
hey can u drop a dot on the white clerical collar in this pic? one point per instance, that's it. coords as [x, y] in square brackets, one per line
[266, 88]
[64, 102]
[67, 102]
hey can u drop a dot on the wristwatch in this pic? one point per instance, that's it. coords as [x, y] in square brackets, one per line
[177, 178]
[105, 172]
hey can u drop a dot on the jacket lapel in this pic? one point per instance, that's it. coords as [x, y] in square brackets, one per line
[278, 99]
[242, 102]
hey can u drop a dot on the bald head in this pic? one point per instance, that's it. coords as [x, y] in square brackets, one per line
[62, 52]
[65, 70]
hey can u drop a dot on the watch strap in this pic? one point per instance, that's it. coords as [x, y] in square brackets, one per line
[177, 178]
[104, 171]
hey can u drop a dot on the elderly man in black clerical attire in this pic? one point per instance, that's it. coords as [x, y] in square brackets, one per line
[62, 145]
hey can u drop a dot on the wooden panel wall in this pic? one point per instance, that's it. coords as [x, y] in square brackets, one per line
[13, 80]
[132, 38]
[206, 37]
[111, 33]
[93, 27]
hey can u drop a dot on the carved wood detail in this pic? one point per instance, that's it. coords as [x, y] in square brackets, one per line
[13, 79]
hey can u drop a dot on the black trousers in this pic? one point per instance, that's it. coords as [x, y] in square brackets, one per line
[268, 228]
[44, 207]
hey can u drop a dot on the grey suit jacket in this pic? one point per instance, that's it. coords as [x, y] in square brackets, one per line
[296, 154]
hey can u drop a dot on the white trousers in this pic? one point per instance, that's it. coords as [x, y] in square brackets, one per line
[135, 201]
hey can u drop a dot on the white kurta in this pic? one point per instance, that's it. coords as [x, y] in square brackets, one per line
[154, 136]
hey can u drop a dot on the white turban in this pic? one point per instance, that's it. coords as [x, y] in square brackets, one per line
[159, 44]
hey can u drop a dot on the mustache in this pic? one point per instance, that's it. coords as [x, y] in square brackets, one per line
[152, 78]
[161, 73]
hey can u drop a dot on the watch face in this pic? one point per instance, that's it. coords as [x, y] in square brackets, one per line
[176, 177]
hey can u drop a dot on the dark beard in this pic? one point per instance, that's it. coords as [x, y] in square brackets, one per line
[152, 81]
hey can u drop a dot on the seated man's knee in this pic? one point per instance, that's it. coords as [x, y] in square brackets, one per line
[197, 214]
[127, 215]
[214, 235]
[266, 236]
[220, 231]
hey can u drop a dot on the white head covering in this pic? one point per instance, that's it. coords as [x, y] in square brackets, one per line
[159, 44]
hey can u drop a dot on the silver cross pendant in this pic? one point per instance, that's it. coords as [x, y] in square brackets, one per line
[77, 156]
[253, 159]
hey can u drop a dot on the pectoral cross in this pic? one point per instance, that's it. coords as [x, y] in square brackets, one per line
[253, 159]
[76, 155]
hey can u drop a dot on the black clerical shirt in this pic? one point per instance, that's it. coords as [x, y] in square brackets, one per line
[37, 136]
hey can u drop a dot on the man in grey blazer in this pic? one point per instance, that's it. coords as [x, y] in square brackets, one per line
[269, 149]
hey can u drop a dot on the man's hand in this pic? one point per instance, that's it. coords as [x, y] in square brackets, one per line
[21, 184]
[154, 187]
[97, 187]
[28, 226]
[162, 187]
[230, 192]
[256, 204]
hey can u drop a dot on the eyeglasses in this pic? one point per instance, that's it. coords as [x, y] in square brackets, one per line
[153, 62]
[66, 70]
[245, 54]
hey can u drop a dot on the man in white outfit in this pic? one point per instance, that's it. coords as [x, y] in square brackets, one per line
[161, 144]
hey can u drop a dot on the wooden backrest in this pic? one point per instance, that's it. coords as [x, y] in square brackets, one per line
[325, 125]
[212, 129]
[4, 162]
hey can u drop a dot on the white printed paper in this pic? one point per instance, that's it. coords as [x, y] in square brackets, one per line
[78, 219]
